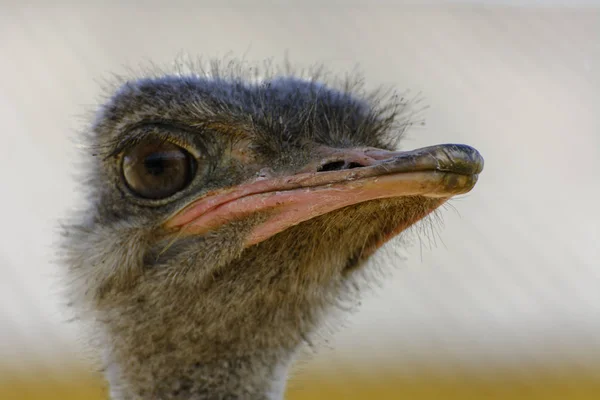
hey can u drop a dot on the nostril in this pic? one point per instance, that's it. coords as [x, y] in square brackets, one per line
[338, 166]
[332, 166]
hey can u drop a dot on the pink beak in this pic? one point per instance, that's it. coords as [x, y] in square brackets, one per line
[341, 178]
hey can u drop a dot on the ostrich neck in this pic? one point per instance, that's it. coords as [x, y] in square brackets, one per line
[234, 340]
[232, 334]
[227, 373]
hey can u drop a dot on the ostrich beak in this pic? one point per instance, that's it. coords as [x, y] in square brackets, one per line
[342, 177]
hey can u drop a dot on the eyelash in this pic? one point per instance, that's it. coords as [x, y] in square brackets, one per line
[161, 131]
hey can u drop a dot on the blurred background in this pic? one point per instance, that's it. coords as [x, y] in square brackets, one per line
[503, 302]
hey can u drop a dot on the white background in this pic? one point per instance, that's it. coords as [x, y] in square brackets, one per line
[513, 275]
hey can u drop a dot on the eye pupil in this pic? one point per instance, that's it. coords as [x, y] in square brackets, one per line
[155, 163]
[157, 170]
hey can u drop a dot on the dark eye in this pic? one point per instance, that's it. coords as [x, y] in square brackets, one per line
[157, 170]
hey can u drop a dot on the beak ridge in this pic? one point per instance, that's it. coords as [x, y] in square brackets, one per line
[456, 158]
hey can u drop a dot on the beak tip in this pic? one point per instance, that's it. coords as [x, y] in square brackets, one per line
[459, 158]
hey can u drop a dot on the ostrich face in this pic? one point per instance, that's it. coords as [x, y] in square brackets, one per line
[221, 209]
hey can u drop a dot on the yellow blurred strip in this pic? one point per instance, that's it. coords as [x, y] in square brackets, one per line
[79, 386]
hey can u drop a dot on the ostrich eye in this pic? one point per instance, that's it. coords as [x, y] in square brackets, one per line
[156, 170]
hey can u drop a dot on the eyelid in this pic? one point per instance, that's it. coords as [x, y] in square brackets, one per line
[180, 135]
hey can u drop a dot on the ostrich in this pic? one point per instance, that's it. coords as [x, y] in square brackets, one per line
[227, 217]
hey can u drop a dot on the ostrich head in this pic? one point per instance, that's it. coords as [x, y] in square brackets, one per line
[226, 217]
